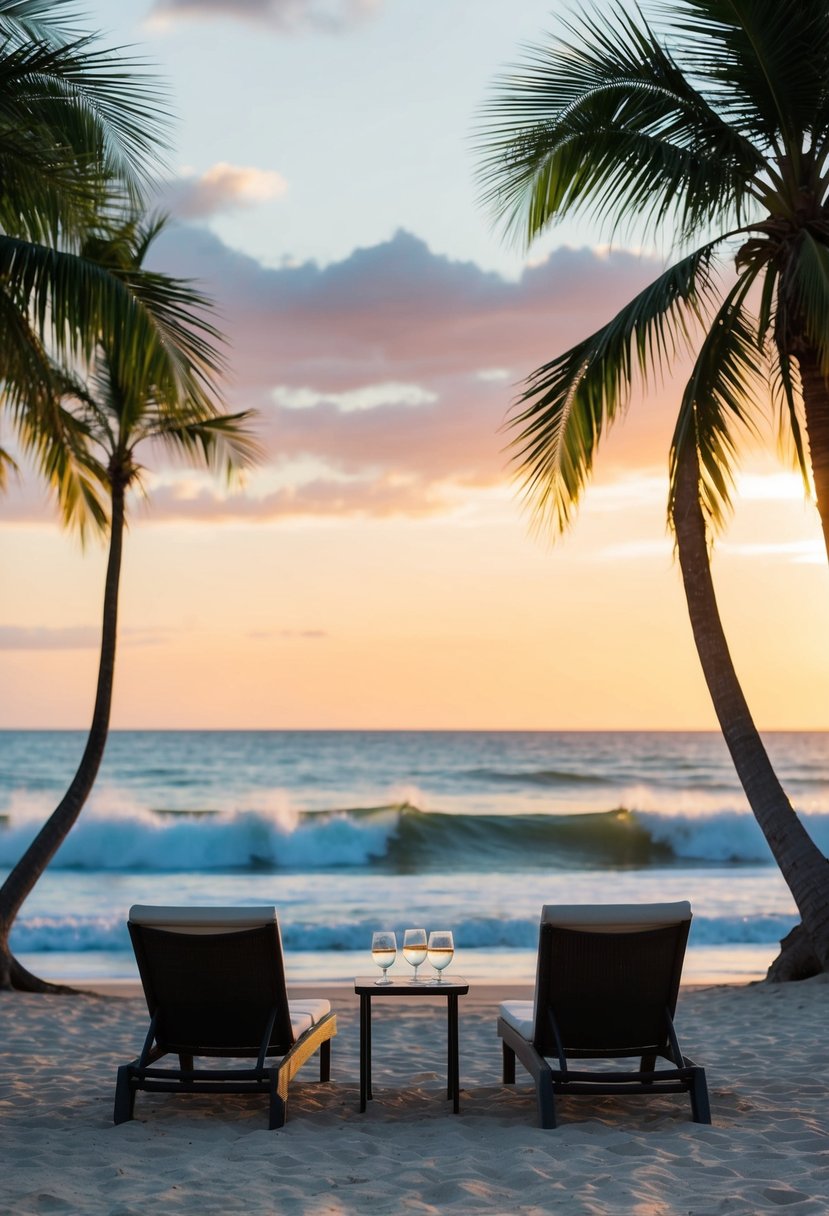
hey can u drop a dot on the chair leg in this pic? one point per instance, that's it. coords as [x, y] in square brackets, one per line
[648, 1064]
[546, 1099]
[509, 1064]
[700, 1108]
[276, 1114]
[185, 1063]
[124, 1097]
[325, 1061]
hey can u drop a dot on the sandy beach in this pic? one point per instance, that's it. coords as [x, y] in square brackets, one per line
[764, 1048]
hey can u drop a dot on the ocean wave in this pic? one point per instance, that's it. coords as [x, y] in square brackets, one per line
[540, 776]
[400, 839]
[80, 934]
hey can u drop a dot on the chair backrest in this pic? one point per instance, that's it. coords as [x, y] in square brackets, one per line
[608, 974]
[213, 977]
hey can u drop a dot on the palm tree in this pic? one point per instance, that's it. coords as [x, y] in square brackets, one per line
[122, 406]
[81, 129]
[714, 128]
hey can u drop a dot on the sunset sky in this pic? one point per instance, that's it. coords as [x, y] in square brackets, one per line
[378, 570]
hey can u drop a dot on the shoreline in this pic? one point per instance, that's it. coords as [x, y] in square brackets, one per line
[481, 992]
[704, 966]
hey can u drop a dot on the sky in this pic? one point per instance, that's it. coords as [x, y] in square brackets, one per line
[378, 569]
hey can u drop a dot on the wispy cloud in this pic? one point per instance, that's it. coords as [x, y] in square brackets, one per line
[313, 635]
[23, 637]
[379, 497]
[499, 374]
[800, 552]
[221, 188]
[770, 487]
[72, 637]
[286, 16]
[368, 397]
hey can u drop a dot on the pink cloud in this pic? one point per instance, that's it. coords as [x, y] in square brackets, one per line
[223, 187]
[378, 497]
[285, 15]
[395, 312]
[373, 375]
[424, 326]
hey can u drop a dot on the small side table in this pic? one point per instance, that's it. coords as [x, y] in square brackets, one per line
[367, 987]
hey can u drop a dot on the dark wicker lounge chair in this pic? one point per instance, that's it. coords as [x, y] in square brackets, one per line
[606, 988]
[215, 986]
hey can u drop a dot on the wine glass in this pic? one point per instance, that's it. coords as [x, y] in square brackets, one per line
[414, 948]
[383, 953]
[440, 951]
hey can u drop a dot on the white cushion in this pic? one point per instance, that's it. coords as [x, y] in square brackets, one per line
[616, 918]
[520, 1015]
[306, 1013]
[200, 919]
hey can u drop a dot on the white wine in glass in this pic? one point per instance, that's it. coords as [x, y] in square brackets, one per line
[414, 949]
[383, 953]
[440, 951]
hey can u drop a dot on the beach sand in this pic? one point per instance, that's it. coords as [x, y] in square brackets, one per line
[765, 1049]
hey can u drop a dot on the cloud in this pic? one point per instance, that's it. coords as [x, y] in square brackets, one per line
[368, 397]
[223, 187]
[393, 369]
[286, 16]
[73, 637]
[367, 375]
[396, 313]
[494, 373]
[771, 487]
[23, 637]
[801, 552]
[307, 634]
[379, 497]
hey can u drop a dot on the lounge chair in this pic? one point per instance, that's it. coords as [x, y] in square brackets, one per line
[606, 987]
[215, 986]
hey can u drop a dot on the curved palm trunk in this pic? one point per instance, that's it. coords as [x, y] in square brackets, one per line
[803, 866]
[816, 409]
[50, 837]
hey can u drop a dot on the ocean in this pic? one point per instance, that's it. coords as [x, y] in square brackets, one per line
[352, 831]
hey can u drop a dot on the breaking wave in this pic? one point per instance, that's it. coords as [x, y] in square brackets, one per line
[82, 934]
[399, 838]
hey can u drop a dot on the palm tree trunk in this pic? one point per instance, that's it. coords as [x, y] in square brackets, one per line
[816, 409]
[40, 852]
[803, 866]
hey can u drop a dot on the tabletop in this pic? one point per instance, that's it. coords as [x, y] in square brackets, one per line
[367, 985]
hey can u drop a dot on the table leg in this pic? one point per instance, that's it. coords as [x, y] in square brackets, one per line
[365, 1049]
[454, 1087]
[369, 1094]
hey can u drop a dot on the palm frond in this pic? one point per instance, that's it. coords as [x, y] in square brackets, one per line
[8, 464]
[223, 443]
[152, 376]
[73, 102]
[29, 388]
[720, 400]
[784, 383]
[77, 478]
[156, 324]
[569, 403]
[768, 57]
[805, 298]
[39, 20]
[609, 123]
[60, 442]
